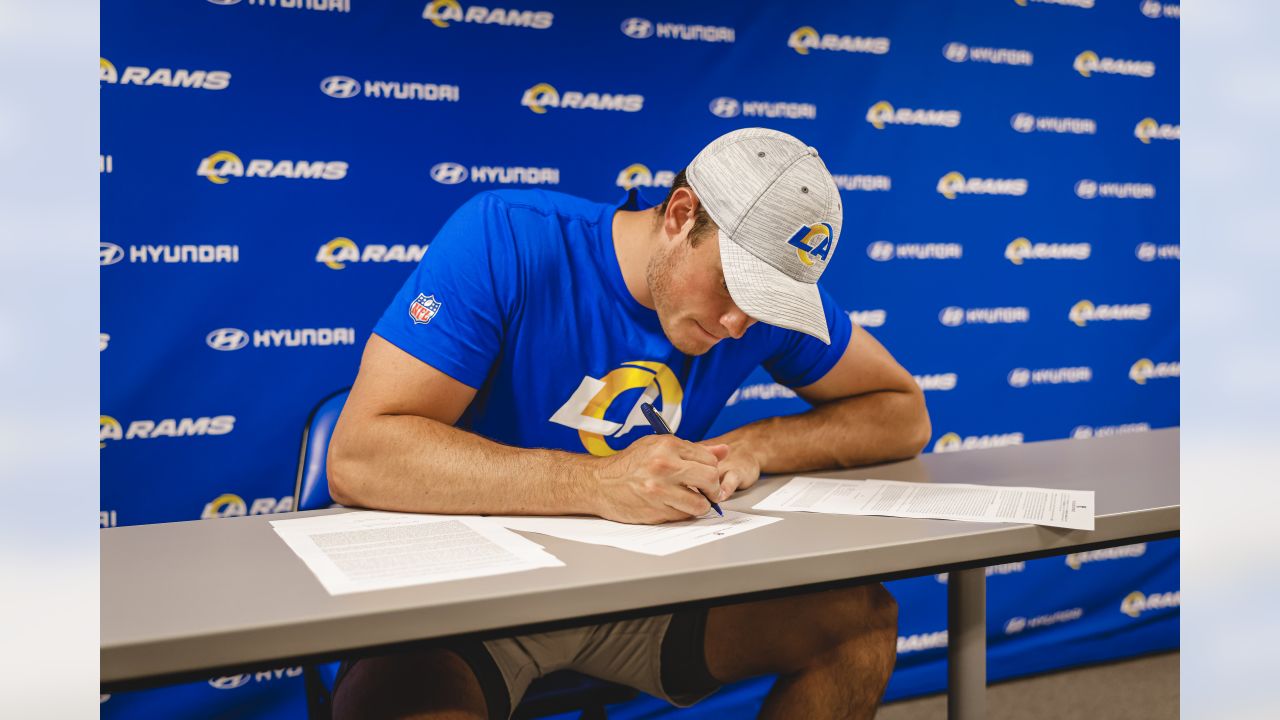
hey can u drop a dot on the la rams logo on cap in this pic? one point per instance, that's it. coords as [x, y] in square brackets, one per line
[812, 242]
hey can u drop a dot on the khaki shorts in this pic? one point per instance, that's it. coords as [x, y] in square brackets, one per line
[661, 655]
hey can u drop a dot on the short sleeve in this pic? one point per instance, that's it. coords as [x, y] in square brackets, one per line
[453, 310]
[801, 359]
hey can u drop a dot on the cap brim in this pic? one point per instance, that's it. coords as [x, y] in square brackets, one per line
[768, 295]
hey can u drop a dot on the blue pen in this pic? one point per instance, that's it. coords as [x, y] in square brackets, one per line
[660, 428]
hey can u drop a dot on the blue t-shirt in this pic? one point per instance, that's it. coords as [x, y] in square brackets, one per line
[521, 297]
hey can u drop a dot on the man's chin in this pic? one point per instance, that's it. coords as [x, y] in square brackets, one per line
[692, 342]
[694, 346]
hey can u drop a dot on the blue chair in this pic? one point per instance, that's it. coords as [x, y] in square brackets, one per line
[560, 692]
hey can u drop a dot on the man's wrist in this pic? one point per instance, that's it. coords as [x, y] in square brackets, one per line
[581, 483]
[747, 440]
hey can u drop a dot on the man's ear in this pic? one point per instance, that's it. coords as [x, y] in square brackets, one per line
[681, 212]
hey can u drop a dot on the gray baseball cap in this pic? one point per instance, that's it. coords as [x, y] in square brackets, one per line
[779, 215]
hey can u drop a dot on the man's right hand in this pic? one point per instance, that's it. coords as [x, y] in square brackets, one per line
[652, 481]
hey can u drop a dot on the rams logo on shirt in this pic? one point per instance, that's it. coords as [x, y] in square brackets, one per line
[812, 242]
[640, 381]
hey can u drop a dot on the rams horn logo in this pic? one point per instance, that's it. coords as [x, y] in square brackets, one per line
[108, 429]
[632, 175]
[329, 252]
[950, 441]
[949, 184]
[106, 71]
[1141, 370]
[1146, 130]
[226, 504]
[218, 162]
[1086, 62]
[585, 410]
[539, 96]
[1080, 312]
[812, 241]
[802, 39]
[1018, 250]
[878, 113]
[436, 10]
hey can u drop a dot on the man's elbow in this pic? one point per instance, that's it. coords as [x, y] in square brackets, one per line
[922, 427]
[339, 472]
[916, 429]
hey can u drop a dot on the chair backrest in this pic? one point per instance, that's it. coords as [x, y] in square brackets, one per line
[311, 489]
[559, 692]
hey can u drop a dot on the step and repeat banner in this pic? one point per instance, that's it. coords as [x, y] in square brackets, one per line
[272, 171]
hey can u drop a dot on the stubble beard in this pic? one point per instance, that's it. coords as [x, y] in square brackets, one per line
[658, 277]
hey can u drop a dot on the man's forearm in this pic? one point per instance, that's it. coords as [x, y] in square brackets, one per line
[407, 463]
[860, 430]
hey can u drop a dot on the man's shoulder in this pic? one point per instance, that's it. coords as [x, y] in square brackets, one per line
[533, 230]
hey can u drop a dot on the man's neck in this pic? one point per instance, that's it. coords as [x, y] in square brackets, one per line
[634, 240]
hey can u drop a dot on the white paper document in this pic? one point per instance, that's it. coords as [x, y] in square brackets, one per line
[649, 539]
[373, 550]
[974, 503]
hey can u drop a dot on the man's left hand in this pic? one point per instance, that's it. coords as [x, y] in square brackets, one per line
[738, 471]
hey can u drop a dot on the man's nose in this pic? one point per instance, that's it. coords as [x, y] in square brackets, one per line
[736, 322]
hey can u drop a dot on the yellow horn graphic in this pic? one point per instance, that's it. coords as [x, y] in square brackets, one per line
[210, 165]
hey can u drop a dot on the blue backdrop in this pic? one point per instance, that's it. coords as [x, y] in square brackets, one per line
[273, 169]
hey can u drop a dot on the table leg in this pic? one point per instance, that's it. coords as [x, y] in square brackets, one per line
[967, 644]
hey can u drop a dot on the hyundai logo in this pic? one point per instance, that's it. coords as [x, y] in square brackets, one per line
[725, 107]
[637, 28]
[229, 682]
[1023, 122]
[447, 173]
[956, 52]
[227, 339]
[951, 316]
[340, 86]
[109, 253]
[880, 251]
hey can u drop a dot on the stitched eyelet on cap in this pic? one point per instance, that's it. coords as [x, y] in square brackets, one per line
[804, 189]
[760, 154]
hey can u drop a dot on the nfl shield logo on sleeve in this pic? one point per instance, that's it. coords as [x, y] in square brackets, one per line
[423, 308]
